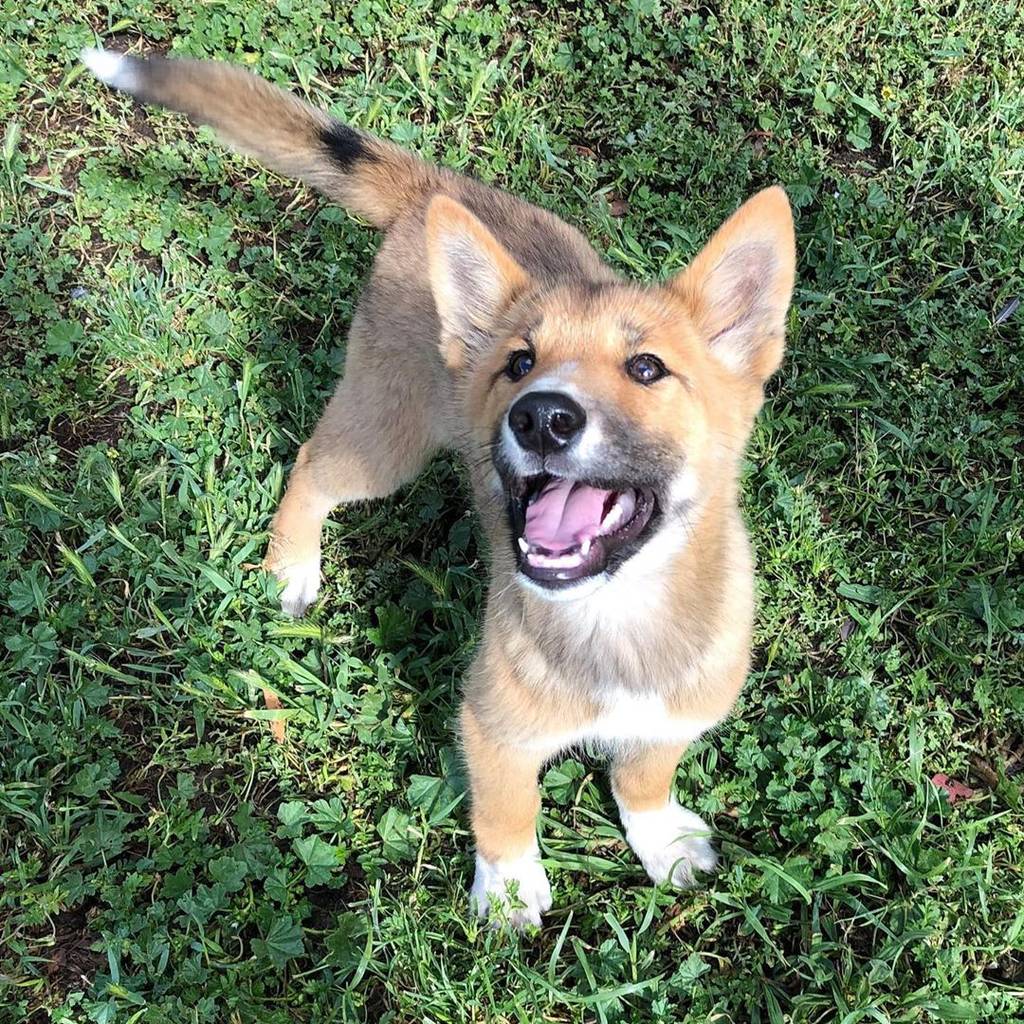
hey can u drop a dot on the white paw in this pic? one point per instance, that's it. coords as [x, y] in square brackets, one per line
[520, 887]
[672, 843]
[301, 585]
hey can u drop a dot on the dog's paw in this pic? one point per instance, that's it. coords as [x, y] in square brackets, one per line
[672, 843]
[513, 891]
[300, 584]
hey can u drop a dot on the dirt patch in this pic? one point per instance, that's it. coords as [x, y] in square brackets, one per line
[139, 123]
[138, 775]
[103, 427]
[997, 758]
[70, 437]
[69, 961]
[138, 45]
[857, 163]
[306, 335]
[327, 904]
[1009, 970]
[73, 962]
[13, 443]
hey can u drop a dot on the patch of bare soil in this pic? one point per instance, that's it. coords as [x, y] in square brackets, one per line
[70, 960]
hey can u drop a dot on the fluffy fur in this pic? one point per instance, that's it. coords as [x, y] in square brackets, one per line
[650, 651]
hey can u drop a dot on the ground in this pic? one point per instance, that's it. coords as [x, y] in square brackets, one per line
[172, 321]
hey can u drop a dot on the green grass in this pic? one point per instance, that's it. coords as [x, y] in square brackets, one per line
[173, 319]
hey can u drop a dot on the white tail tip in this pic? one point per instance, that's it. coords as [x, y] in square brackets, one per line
[112, 68]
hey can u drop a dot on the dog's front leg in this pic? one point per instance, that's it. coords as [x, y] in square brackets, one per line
[368, 443]
[671, 842]
[505, 800]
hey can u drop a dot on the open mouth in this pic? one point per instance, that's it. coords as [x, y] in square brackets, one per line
[568, 530]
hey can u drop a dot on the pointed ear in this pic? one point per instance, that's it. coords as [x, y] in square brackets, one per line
[472, 276]
[739, 287]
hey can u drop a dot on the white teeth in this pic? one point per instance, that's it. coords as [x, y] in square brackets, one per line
[622, 510]
[569, 561]
[611, 520]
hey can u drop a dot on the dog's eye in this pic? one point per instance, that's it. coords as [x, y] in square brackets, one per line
[519, 364]
[646, 369]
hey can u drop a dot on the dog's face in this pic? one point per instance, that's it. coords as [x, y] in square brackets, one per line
[609, 412]
[599, 419]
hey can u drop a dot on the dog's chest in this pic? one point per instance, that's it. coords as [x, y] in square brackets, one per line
[624, 716]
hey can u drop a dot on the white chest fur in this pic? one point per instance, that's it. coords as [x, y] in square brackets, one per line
[628, 717]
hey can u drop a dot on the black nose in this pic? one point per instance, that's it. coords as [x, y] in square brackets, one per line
[546, 422]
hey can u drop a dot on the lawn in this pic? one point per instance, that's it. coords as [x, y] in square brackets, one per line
[172, 320]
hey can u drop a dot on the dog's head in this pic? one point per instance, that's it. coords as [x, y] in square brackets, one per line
[609, 411]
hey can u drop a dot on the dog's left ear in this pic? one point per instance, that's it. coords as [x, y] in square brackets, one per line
[739, 286]
[472, 275]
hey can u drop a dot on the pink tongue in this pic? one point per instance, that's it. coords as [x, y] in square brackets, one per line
[564, 514]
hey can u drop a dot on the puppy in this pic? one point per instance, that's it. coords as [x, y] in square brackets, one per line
[602, 423]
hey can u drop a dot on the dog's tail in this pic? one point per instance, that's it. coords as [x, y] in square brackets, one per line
[365, 174]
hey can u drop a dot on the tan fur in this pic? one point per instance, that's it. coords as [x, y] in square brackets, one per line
[503, 787]
[463, 276]
[642, 778]
[282, 131]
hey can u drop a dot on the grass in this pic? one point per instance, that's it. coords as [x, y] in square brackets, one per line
[173, 319]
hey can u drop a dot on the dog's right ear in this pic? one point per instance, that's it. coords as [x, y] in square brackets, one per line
[472, 276]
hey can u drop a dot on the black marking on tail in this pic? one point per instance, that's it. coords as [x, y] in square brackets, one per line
[345, 145]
